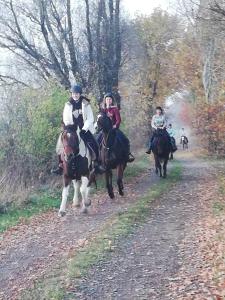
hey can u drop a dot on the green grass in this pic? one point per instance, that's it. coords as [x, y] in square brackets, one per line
[47, 200]
[37, 204]
[100, 246]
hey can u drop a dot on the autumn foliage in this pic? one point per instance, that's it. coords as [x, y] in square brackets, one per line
[209, 123]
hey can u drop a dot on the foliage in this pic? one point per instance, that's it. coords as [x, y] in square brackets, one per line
[29, 130]
[210, 126]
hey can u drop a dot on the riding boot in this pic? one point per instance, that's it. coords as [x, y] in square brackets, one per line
[149, 151]
[150, 144]
[59, 170]
[130, 158]
[98, 168]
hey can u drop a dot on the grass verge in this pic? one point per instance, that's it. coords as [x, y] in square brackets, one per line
[62, 280]
[47, 200]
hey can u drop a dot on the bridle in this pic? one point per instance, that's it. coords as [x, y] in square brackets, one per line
[68, 147]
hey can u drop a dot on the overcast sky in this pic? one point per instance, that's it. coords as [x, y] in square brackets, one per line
[145, 6]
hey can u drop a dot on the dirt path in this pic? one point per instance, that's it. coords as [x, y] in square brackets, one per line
[30, 248]
[146, 264]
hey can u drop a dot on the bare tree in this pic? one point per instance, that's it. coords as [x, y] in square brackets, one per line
[43, 34]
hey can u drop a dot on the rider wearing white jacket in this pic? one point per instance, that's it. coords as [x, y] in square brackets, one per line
[78, 116]
[86, 112]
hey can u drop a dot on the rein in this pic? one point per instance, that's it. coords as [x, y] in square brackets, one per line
[104, 141]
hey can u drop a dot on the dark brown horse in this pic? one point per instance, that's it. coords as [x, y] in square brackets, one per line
[76, 168]
[112, 153]
[161, 149]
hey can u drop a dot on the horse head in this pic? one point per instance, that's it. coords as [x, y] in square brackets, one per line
[104, 122]
[70, 141]
[162, 143]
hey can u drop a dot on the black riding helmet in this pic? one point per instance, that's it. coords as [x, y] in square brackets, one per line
[76, 89]
[159, 108]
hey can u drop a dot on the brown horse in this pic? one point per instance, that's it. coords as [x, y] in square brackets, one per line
[76, 168]
[112, 153]
[161, 149]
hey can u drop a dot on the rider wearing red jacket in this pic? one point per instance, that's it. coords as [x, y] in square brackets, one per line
[114, 114]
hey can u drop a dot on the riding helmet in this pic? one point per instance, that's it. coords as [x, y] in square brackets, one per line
[76, 89]
[110, 95]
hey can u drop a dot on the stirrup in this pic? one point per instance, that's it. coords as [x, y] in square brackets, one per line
[58, 171]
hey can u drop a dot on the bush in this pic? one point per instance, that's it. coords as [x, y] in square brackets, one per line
[29, 129]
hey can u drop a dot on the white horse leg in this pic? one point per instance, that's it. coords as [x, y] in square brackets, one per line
[65, 193]
[76, 200]
[84, 189]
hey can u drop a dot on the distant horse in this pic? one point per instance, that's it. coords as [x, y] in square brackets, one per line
[112, 154]
[184, 142]
[76, 168]
[161, 149]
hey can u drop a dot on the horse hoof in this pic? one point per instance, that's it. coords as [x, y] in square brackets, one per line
[84, 210]
[87, 203]
[61, 214]
[121, 193]
[112, 196]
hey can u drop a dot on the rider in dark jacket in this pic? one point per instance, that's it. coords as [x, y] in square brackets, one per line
[113, 113]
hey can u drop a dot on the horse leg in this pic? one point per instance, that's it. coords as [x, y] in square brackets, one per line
[76, 200]
[84, 190]
[171, 156]
[160, 168]
[156, 165]
[65, 193]
[165, 168]
[108, 176]
[120, 170]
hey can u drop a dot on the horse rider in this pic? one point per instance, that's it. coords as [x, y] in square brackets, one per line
[113, 113]
[171, 132]
[78, 115]
[183, 135]
[158, 122]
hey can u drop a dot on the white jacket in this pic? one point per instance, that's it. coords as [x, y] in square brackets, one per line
[87, 112]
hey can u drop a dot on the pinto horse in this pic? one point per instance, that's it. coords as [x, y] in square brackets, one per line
[161, 149]
[184, 142]
[112, 154]
[76, 168]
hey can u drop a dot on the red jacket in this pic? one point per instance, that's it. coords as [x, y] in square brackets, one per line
[114, 114]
